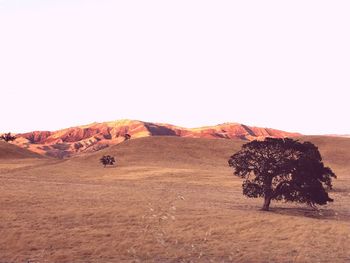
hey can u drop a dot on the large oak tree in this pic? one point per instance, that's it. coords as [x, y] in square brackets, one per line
[283, 169]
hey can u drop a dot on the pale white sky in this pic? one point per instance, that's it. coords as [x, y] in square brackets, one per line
[280, 64]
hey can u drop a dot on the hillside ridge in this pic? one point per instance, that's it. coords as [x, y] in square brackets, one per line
[96, 136]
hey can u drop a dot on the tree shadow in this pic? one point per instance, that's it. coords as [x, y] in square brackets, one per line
[110, 167]
[322, 214]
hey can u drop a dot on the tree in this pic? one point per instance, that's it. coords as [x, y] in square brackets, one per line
[107, 160]
[7, 137]
[283, 169]
[127, 136]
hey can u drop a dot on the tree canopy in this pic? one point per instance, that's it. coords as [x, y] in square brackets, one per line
[283, 169]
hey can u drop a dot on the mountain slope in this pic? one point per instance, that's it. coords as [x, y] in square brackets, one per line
[96, 136]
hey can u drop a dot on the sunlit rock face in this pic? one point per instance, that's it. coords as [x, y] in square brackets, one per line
[96, 136]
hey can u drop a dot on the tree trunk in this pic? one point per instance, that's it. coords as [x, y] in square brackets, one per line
[267, 192]
[267, 202]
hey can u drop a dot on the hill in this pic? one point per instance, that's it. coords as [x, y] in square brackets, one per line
[335, 151]
[97, 136]
[170, 152]
[10, 151]
[177, 151]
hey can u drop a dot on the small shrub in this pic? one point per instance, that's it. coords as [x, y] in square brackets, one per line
[107, 160]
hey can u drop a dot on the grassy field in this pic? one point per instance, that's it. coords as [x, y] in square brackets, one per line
[168, 199]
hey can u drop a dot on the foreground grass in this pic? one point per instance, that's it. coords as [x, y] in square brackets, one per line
[159, 211]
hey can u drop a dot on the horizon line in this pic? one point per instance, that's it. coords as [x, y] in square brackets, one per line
[169, 123]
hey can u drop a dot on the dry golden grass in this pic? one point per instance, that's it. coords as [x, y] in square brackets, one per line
[168, 200]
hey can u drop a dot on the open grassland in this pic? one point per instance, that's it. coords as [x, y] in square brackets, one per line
[168, 199]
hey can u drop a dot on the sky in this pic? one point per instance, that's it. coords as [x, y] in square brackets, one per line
[278, 64]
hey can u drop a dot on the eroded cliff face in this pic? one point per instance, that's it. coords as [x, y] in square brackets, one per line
[96, 136]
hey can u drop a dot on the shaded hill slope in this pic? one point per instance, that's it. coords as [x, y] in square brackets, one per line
[10, 151]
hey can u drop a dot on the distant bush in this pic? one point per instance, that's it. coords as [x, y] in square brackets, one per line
[127, 136]
[107, 160]
[78, 145]
[7, 137]
[107, 136]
